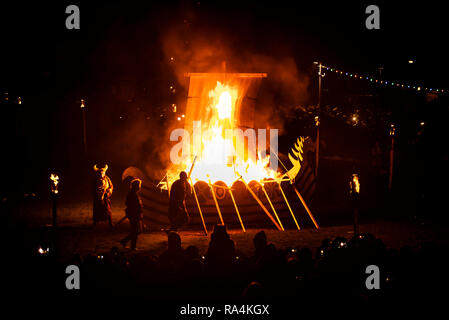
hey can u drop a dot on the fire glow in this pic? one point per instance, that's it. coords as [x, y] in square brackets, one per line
[355, 185]
[221, 153]
[220, 150]
[55, 180]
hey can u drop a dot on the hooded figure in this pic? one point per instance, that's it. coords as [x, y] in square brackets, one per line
[102, 192]
[221, 252]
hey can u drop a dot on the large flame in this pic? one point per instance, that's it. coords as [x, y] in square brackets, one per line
[220, 158]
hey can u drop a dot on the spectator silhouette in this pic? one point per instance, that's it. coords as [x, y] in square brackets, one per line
[174, 257]
[260, 244]
[221, 251]
[253, 291]
[194, 265]
[192, 253]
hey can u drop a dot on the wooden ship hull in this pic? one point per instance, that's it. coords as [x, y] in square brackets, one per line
[155, 201]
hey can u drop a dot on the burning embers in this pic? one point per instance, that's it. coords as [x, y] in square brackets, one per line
[219, 144]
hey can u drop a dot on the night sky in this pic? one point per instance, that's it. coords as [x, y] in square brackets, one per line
[119, 61]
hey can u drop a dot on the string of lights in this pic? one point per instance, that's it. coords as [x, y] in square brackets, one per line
[359, 76]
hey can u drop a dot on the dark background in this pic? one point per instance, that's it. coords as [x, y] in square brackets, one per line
[119, 62]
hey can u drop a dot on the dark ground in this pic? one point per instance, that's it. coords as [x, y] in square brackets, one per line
[86, 240]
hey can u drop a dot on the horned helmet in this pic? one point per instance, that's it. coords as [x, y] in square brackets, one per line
[101, 170]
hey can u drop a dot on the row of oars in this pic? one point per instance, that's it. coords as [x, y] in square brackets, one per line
[277, 222]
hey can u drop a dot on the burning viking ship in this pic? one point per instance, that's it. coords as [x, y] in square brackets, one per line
[237, 188]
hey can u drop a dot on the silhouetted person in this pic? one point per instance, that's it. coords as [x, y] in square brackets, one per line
[177, 212]
[192, 253]
[133, 213]
[253, 291]
[260, 243]
[174, 256]
[221, 251]
[102, 192]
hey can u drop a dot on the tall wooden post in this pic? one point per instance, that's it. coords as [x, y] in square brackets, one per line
[356, 219]
[54, 197]
[317, 147]
[390, 175]
[354, 191]
[317, 119]
[83, 110]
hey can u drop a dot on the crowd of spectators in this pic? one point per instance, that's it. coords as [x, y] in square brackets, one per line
[334, 271]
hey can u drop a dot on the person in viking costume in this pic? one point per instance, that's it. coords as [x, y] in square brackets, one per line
[102, 192]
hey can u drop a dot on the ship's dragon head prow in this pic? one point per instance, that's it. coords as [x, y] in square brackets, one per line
[295, 159]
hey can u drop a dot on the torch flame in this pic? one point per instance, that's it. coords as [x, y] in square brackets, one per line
[356, 183]
[55, 179]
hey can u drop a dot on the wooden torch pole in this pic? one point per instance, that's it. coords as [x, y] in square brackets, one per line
[83, 110]
[390, 176]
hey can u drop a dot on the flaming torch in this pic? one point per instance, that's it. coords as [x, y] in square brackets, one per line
[354, 190]
[54, 195]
